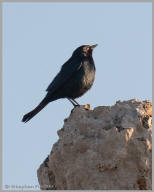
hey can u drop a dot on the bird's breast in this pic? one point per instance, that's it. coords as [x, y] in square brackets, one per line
[88, 72]
[83, 79]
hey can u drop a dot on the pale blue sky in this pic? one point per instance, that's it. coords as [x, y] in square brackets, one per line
[37, 39]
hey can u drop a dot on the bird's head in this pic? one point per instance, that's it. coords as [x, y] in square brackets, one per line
[84, 50]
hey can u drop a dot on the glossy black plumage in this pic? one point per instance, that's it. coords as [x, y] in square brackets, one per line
[74, 79]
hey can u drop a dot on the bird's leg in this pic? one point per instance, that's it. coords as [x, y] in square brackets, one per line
[87, 107]
[76, 102]
[72, 102]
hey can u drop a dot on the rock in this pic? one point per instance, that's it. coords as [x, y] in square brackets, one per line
[108, 148]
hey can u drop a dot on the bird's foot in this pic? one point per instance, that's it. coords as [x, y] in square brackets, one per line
[74, 107]
[86, 107]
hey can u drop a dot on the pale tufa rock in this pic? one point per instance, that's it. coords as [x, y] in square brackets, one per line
[108, 148]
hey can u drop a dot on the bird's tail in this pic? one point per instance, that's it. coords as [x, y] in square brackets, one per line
[31, 114]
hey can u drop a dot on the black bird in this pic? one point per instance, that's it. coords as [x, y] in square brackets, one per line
[74, 79]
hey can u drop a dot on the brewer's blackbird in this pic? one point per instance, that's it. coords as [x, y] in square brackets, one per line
[74, 79]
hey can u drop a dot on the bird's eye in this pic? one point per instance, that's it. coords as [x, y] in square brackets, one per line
[86, 49]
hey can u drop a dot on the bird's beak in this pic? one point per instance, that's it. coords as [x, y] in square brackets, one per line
[93, 46]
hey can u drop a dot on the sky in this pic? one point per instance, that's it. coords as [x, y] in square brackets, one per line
[37, 39]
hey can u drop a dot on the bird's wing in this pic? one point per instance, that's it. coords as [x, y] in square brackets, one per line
[71, 66]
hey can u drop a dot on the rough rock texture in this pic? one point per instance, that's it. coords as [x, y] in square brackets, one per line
[106, 148]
